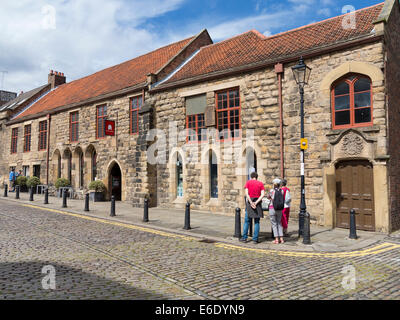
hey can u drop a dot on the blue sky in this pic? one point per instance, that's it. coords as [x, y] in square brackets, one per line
[80, 37]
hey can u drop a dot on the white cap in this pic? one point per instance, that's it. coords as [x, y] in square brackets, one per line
[276, 181]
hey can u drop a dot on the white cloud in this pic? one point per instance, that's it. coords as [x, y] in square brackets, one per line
[89, 35]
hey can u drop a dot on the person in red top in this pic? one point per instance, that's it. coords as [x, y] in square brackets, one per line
[255, 191]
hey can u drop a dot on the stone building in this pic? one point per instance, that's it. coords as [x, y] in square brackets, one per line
[194, 118]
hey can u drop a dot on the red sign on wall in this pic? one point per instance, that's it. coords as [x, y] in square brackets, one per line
[110, 127]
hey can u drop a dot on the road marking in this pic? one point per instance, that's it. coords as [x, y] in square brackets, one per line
[386, 246]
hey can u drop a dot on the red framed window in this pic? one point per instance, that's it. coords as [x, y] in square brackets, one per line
[43, 135]
[135, 105]
[14, 140]
[195, 123]
[27, 138]
[352, 102]
[74, 126]
[101, 116]
[228, 113]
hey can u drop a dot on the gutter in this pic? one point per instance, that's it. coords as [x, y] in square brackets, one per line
[268, 63]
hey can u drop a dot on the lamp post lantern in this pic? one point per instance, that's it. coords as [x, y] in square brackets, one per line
[301, 74]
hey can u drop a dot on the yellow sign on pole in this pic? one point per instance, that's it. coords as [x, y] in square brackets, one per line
[304, 144]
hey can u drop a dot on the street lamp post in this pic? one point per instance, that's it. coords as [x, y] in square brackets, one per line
[301, 74]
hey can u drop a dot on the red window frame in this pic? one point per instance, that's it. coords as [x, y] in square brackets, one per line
[42, 145]
[101, 116]
[74, 126]
[196, 122]
[14, 140]
[27, 138]
[231, 106]
[134, 106]
[351, 82]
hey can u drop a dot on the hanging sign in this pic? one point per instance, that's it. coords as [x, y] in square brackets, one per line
[110, 127]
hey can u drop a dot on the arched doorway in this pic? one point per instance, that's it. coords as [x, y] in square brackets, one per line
[213, 165]
[251, 162]
[115, 181]
[355, 190]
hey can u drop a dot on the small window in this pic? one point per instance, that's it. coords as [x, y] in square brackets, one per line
[27, 138]
[135, 105]
[74, 127]
[352, 102]
[14, 140]
[101, 116]
[42, 135]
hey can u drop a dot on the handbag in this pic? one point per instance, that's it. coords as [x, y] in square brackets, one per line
[265, 202]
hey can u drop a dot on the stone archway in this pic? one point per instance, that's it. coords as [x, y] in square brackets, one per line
[78, 164]
[115, 181]
[67, 165]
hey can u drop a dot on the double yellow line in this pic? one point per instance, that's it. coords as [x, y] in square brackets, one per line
[383, 247]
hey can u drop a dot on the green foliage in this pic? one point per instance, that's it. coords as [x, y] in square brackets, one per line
[97, 185]
[21, 181]
[33, 182]
[62, 182]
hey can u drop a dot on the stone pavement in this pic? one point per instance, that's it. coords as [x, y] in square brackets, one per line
[216, 227]
[103, 259]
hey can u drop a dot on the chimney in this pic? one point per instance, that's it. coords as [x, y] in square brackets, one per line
[56, 78]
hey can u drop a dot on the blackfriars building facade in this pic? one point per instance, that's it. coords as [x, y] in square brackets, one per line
[192, 119]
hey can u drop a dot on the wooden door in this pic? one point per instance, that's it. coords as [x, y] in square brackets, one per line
[355, 190]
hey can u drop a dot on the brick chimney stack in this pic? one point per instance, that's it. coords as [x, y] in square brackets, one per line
[56, 78]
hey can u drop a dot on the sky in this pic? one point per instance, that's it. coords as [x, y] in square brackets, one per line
[80, 37]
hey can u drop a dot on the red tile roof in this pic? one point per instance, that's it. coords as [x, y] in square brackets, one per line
[126, 74]
[252, 47]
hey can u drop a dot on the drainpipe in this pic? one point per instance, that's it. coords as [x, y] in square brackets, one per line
[279, 72]
[48, 149]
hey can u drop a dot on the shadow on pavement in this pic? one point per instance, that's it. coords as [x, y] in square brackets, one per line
[23, 281]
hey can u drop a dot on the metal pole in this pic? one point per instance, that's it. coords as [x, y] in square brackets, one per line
[250, 226]
[5, 190]
[303, 207]
[187, 217]
[112, 214]
[146, 210]
[64, 198]
[31, 194]
[86, 202]
[17, 189]
[237, 224]
[46, 196]
[353, 227]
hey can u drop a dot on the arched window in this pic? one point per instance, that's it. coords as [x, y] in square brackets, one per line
[179, 176]
[94, 165]
[213, 175]
[352, 102]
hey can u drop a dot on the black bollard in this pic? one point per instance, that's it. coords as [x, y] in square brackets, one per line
[353, 228]
[31, 194]
[250, 227]
[86, 202]
[237, 224]
[306, 229]
[5, 190]
[187, 217]
[64, 198]
[46, 196]
[301, 224]
[17, 188]
[112, 214]
[146, 210]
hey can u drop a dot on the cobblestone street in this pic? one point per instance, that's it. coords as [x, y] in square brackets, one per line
[99, 259]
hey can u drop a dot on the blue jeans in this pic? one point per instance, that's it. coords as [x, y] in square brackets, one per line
[246, 227]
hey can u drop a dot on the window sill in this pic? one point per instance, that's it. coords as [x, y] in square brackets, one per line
[366, 129]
